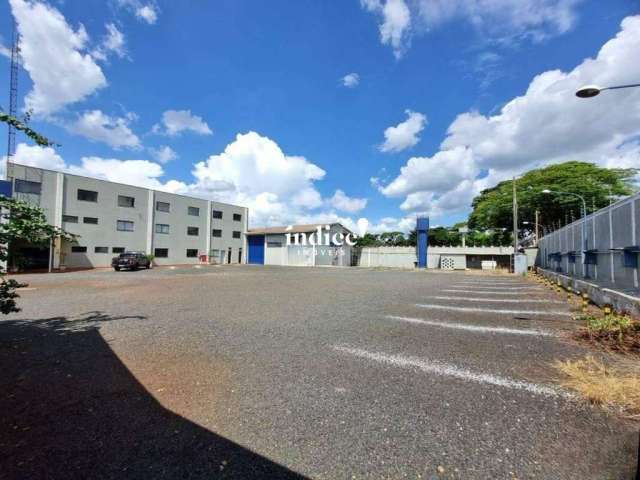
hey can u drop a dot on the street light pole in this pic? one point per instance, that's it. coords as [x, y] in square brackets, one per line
[589, 91]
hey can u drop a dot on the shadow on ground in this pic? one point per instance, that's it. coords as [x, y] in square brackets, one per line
[69, 408]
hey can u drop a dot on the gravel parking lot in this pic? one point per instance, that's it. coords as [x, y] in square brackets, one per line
[275, 372]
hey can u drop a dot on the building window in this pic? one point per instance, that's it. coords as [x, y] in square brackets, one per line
[161, 252]
[101, 250]
[193, 211]
[26, 186]
[193, 231]
[117, 249]
[274, 244]
[162, 228]
[90, 220]
[163, 207]
[124, 201]
[70, 218]
[216, 214]
[192, 252]
[125, 226]
[78, 249]
[237, 234]
[237, 217]
[216, 233]
[87, 195]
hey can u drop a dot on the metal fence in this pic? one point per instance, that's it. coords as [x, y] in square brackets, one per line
[603, 247]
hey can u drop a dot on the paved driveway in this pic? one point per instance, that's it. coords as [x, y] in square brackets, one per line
[273, 372]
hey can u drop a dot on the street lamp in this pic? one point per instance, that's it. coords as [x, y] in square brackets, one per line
[589, 91]
[584, 220]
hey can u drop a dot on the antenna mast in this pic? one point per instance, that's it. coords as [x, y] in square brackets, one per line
[13, 90]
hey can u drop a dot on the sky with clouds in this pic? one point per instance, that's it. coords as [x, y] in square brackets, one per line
[312, 111]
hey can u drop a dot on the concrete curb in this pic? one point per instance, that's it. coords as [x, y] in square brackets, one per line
[620, 301]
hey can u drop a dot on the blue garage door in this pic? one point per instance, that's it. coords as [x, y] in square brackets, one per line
[256, 249]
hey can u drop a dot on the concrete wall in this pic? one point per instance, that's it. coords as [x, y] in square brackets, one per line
[405, 257]
[59, 198]
[607, 232]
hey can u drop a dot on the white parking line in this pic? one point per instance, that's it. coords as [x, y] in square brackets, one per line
[445, 369]
[491, 283]
[480, 288]
[471, 328]
[487, 292]
[501, 300]
[491, 310]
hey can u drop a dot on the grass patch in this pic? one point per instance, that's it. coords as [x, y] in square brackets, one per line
[613, 332]
[615, 389]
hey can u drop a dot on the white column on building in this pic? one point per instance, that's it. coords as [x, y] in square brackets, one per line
[208, 236]
[57, 222]
[150, 210]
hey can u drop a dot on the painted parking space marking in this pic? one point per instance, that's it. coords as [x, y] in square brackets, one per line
[445, 369]
[480, 288]
[491, 310]
[487, 292]
[498, 300]
[471, 328]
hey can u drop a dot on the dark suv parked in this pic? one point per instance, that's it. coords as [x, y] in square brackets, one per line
[131, 260]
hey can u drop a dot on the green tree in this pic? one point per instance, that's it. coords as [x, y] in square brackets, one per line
[492, 209]
[21, 221]
[22, 126]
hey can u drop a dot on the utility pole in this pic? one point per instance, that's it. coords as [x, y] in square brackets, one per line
[515, 220]
[537, 230]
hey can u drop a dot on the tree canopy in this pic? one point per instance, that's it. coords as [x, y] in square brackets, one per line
[598, 185]
[24, 128]
[21, 221]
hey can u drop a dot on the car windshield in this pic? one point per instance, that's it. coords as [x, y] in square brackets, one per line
[125, 255]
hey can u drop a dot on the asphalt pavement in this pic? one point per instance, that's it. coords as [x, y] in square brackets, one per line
[276, 372]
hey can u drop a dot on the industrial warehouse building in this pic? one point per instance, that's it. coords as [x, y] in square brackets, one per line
[312, 245]
[110, 218]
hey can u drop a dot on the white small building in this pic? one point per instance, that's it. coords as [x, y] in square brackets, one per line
[300, 245]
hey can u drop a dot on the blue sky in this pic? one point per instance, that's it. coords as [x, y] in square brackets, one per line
[458, 73]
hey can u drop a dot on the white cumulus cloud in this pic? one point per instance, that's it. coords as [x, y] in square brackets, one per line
[163, 154]
[351, 80]
[148, 13]
[405, 134]
[177, 121]
[99, 127]
[395, 23]
[499, 21]
[55, 56]
[112, 43]
[340, 201]
[547, 124]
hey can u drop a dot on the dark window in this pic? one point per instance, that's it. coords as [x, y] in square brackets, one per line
[193, 211]
[216, 214]
[161, 252]
[194, 231]
[237, 234]
[125, 226]
[78, 249]
[87, 195]
[162, 228]
[274, 244]
[117, 249]
[91, 220]
[237, 217]
[101, 249]
[25, 186]
[163, 207]
[70, 218]
[192, 252]
[216, 232]
[124, 201]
